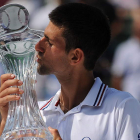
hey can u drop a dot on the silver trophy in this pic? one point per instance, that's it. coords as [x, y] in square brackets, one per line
[17, 54]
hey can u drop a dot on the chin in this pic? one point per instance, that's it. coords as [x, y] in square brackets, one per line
[43, 70]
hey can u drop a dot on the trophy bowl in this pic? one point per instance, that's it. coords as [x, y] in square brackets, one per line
[17, 55]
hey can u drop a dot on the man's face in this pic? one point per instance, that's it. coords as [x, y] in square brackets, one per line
[52, 58]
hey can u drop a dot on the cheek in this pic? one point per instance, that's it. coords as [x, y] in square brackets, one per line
[55, 50]
[57, 53]
[55, 56]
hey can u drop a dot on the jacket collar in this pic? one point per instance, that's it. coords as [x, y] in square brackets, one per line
[94, 97]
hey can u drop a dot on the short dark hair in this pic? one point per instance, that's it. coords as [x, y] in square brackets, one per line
[85, 27]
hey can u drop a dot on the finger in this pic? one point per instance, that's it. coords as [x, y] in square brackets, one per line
[7, 76]
[9, 83]
[10, 90]
[8, 98]
[55, 133]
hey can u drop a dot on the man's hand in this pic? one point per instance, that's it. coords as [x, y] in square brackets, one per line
[55, 133]
[6, 91]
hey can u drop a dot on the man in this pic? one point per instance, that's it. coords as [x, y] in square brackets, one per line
[126, 64]
[84, 108]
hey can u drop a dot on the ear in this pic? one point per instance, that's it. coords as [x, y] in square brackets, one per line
[76, 56]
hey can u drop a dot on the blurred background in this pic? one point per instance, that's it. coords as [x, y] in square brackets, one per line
[119, 66]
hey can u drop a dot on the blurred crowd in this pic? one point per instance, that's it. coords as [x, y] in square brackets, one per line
[119, 66]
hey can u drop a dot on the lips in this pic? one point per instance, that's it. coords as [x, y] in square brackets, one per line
[38, 59]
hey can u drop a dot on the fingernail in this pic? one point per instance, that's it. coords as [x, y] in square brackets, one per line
[12, 75]
[21, 91]
[20, 82]
[17, 97]
[50, 128]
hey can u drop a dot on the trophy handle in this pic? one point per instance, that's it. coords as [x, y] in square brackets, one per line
[9, 12]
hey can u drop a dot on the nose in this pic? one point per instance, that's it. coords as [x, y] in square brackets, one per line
[39, 46]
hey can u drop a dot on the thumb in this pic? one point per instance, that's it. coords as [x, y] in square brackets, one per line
[55, 133]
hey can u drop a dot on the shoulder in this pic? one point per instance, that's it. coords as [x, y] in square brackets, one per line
[127, 43]
[116, 97]
[125, 111]
[127, 46]
[121, 104]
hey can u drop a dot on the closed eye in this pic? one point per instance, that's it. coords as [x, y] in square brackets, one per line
[47, 39]
[50, 43]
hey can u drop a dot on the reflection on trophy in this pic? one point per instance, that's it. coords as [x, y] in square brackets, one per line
[17, 54]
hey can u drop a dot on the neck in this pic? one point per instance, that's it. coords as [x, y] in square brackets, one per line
[74, 88]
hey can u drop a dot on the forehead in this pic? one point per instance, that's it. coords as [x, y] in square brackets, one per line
[53, 32]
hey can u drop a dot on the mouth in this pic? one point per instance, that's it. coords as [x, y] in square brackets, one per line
[38, 59]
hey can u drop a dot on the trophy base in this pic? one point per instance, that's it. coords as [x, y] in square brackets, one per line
[26, 134]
